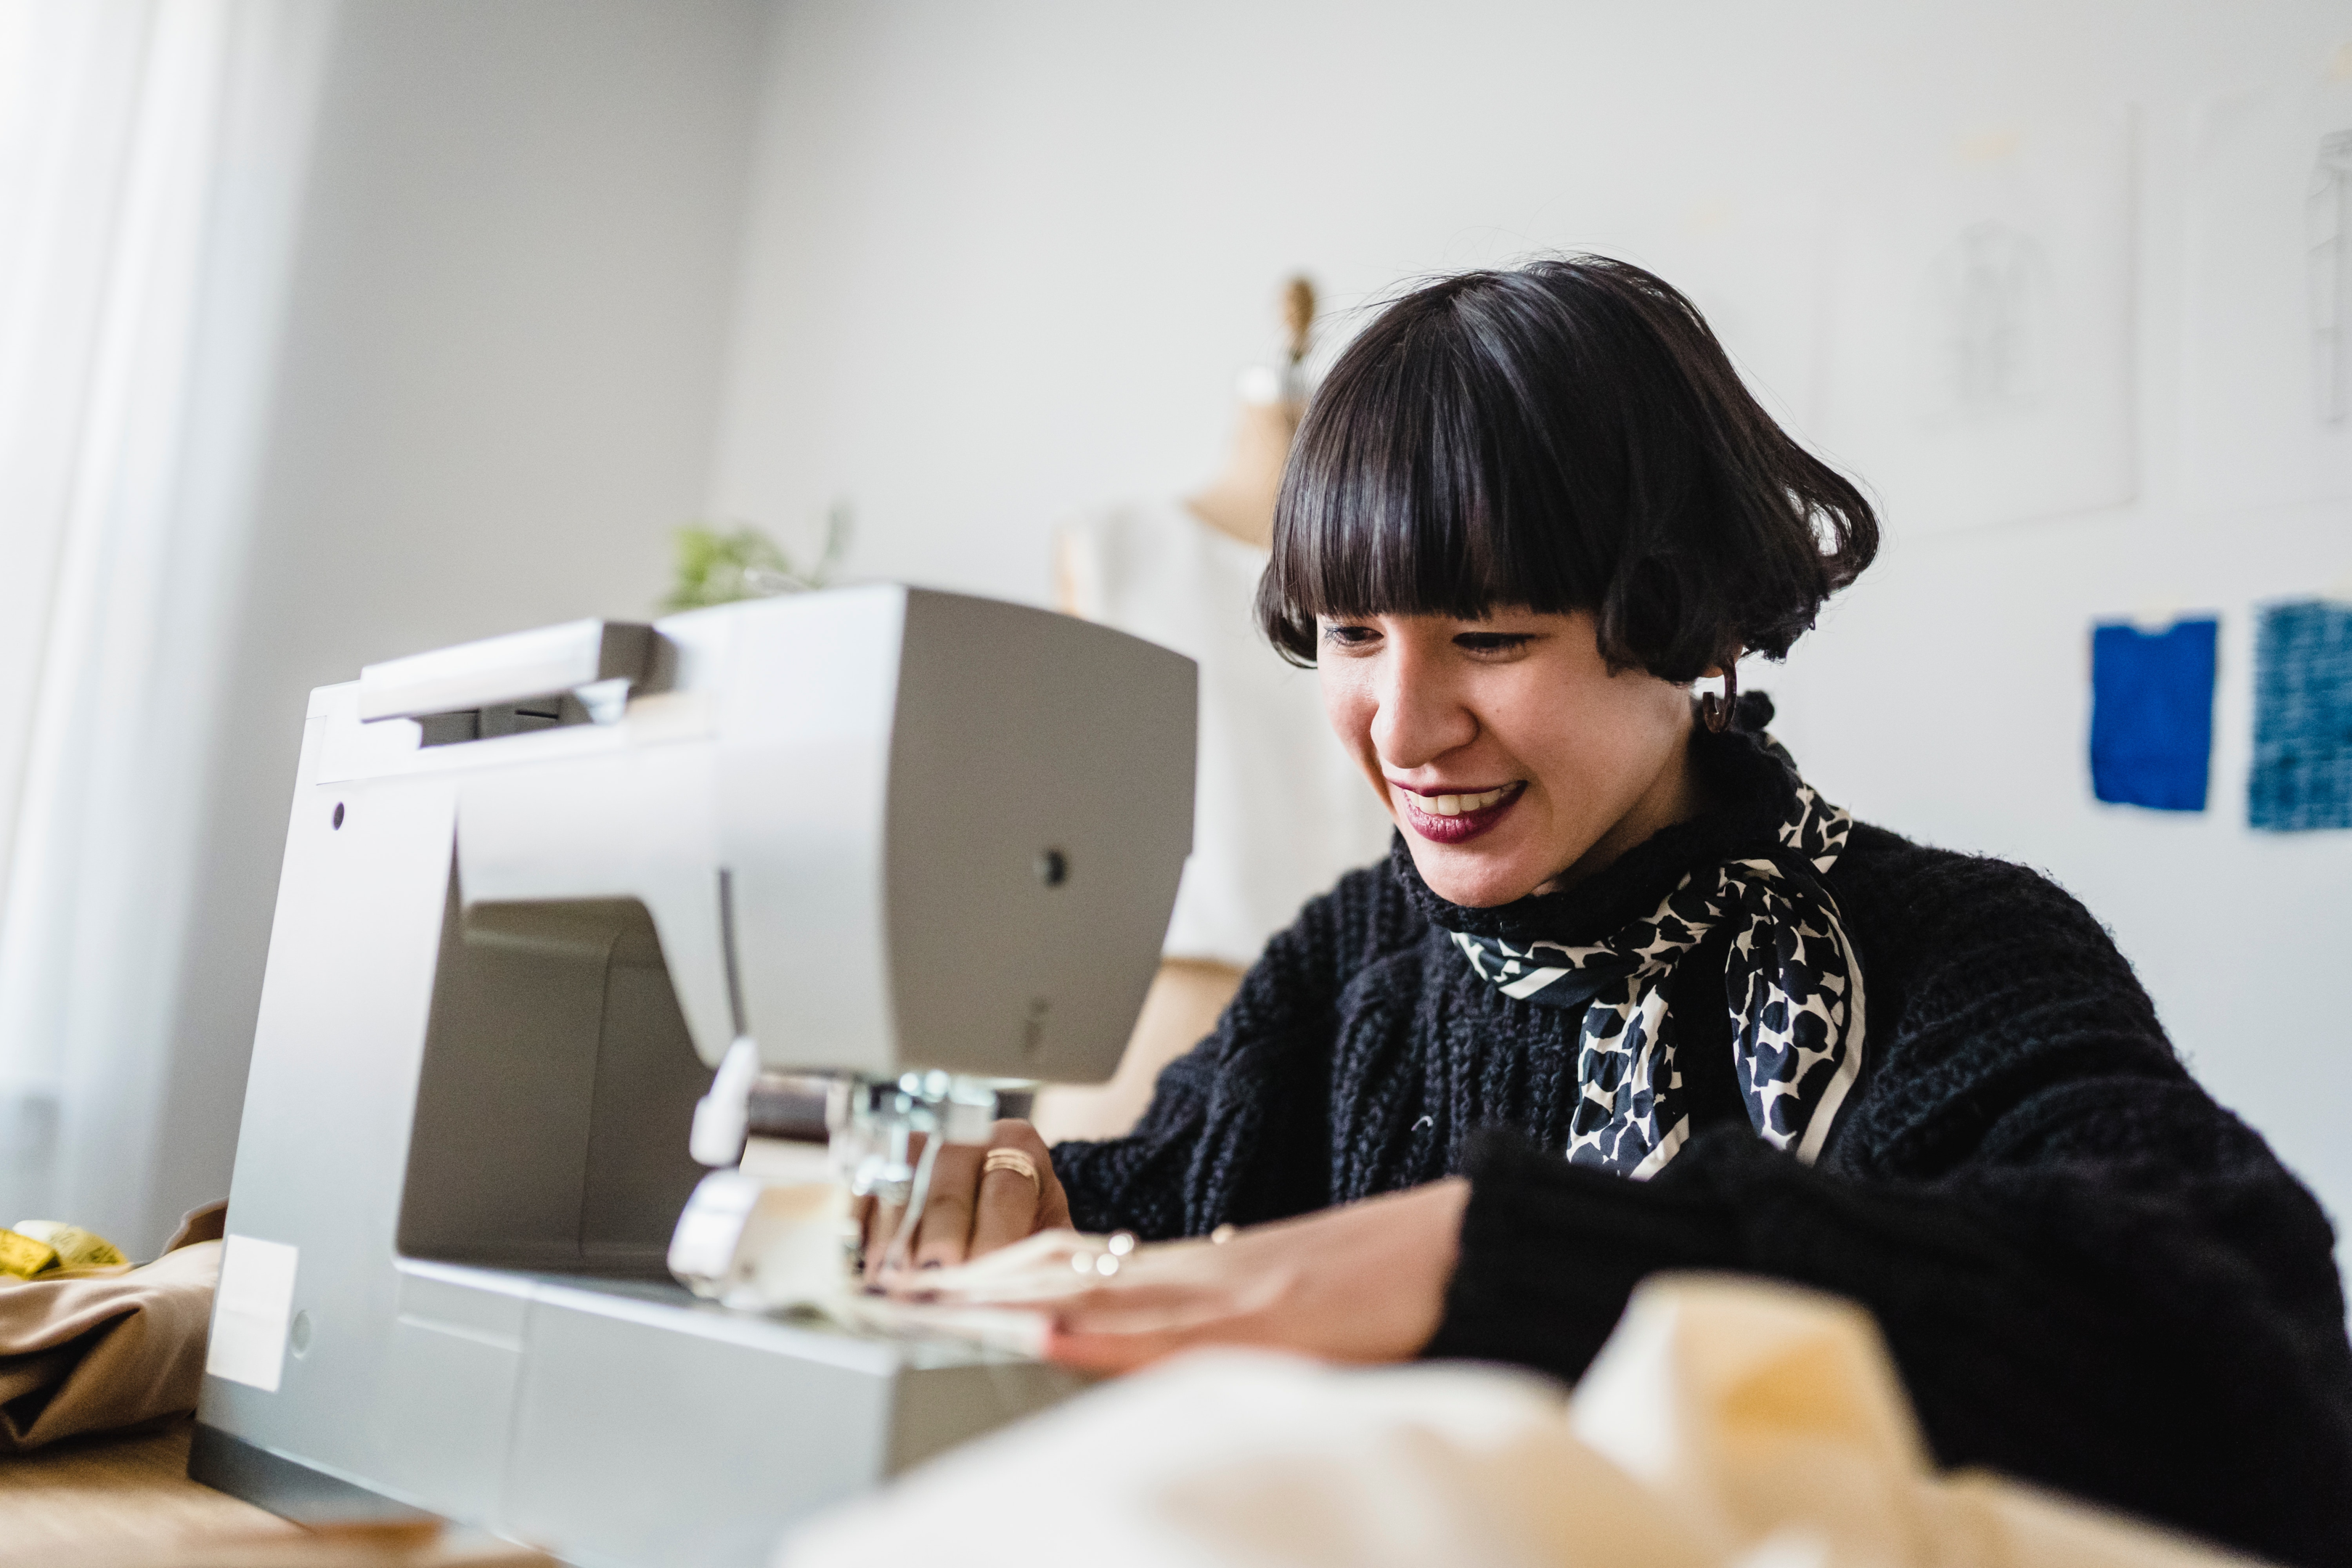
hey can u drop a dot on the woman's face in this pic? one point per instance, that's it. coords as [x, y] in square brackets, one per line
[1509, 755]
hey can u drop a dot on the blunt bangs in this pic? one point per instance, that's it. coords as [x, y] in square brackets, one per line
[1568, 435]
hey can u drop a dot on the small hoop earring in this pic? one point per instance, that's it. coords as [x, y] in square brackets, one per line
[1716, 711]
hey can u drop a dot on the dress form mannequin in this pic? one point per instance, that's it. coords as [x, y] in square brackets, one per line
[1189, 993]
[1240, 502]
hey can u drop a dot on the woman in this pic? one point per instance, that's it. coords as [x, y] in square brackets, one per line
[1629, 997]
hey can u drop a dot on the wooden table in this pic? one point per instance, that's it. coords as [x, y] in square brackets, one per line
[126, 1502]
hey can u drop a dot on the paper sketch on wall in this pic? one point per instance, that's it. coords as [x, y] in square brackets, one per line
[2267, 403]
[1978, 362]
[1985, 314]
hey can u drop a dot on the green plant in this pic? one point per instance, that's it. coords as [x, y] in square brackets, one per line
[719, 567]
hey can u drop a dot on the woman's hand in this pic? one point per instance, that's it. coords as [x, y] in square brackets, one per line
[972, 1210]
[1365, 1282]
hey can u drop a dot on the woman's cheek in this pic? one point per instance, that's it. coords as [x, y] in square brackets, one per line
[1349, 704]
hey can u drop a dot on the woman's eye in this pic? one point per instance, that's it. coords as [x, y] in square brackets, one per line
[1492, 642]
[1351, 637]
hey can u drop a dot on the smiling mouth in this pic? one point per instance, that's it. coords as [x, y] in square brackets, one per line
[1455, 818]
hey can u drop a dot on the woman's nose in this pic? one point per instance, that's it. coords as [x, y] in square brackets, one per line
[1421, 716]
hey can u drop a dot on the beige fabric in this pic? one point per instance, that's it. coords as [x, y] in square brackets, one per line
[209, 1223]
[1728, 1424]
[94, 1350]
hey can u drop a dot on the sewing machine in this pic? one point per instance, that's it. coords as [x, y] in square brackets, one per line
[536, 889]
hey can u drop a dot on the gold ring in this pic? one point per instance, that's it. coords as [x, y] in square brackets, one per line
[1015, 1161]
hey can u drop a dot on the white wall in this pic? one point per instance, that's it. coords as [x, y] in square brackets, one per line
[496, 396]
[1005, 259]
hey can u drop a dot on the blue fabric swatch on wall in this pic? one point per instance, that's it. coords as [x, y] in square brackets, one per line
[2302, 719]
[2152, 714]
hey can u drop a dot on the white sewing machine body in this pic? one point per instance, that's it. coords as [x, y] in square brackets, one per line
[877, 831]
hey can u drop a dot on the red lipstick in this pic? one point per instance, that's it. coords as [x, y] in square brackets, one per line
[1459, 828]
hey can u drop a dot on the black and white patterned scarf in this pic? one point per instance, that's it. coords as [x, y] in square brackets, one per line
[1791, 983]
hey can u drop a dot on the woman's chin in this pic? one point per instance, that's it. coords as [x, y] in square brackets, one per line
[1473, 875]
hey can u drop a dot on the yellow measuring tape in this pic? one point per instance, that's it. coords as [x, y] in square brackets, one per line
[33, 1247]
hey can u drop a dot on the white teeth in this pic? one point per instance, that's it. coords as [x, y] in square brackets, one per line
[1459, 805]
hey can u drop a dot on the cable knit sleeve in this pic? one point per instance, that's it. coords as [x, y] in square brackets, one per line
[1237, 1128]
[2089, 1274]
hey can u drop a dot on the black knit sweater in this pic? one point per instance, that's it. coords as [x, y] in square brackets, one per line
[2090, 1274]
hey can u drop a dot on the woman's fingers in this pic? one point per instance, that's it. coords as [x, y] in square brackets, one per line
[881, 1230]
[1009, 1201]
[1116, 1331]
[1112, 1353]
[1365, 1282]
[1022, 1196]
[1141, 1308]
[883, 1218]
[1030, 1271]
[942, 1238]
[970, 1209]
[1053, 1201]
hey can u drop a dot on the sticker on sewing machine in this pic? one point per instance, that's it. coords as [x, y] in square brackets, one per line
[249, 1315]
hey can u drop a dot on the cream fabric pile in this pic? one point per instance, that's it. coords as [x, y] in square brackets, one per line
[1728, 1424]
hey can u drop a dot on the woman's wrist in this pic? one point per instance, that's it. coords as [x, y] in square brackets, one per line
[1548, 1252]
[1386, 1263]
[1437, 1213]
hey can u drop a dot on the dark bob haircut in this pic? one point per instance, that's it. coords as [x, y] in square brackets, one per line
[1567, 436]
